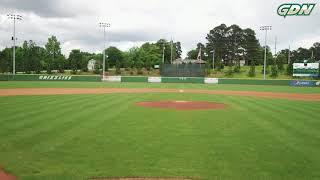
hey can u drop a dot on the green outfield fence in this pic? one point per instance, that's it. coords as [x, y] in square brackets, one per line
[134, 79]
[183, 70]
[255, 82]
[145, 79]
[49, 78]
[199, 80]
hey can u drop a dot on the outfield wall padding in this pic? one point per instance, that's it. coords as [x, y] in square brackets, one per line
[254, 82]
[199, 80]
[49, 78]
[4, 77]
[134, 79]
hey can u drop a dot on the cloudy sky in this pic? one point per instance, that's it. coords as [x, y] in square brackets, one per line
[75, 22]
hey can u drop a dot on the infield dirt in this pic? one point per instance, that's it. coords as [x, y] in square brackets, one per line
[57, 91]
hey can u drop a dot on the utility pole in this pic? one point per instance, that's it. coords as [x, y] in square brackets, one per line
[104, 26]
[275, 47]
[266, 29]
[289, 56]
[171, 45]
[14, 17]
[164, 47]
[212, 59]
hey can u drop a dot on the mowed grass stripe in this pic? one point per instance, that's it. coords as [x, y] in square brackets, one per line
[12, 104]
[303, 120]
[292, 138]
[86, 125]
[49, 122]
[46, 117]
[275, 142]
[117, 138]
[50, 106]
[236, 87]
[50, 145]
[294, 125]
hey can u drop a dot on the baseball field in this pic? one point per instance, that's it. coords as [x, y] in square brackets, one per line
[82, 130]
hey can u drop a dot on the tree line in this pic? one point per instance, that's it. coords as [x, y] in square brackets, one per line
[31, 58]
[228, 44]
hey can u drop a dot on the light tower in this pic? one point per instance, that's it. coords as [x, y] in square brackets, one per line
[14, 17]
[266, 29]
[104, 26]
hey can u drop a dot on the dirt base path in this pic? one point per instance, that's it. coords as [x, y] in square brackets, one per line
[6, 176]
[56, 91]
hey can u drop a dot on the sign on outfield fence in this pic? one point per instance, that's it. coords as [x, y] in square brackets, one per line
[211, 80]
[112, 78]
[304, 83]
[62, 78]
[154, 79]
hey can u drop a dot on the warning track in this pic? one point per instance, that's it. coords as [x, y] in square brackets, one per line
[57, 91]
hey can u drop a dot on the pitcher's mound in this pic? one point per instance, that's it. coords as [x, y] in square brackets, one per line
[182, 105]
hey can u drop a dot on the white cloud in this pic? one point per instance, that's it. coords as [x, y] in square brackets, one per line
[75, 22]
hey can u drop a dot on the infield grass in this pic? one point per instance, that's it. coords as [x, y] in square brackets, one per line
[67, 137]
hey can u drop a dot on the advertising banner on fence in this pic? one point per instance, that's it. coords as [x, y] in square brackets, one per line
[154, 79]
[55, 78]
[211, 80]
[304, 83]
[112, 78]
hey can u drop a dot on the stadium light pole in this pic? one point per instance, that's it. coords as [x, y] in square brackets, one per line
[212, 58]
[171, 51]
[104, 26]
[164, 47]
[14, 17]
[266, 29]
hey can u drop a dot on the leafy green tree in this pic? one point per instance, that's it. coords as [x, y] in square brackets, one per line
[269, 60]
[118, 66]
[167, 52]
[53, 52]
[192, 54]
[5, 56]
[290, 67]
[60, 63]
[114, 55]
[316, 51]
[281, 59]
[31, 57]
[252, 71]
[152, 55]
[252, 49]
[217, 40]
[229, 71]
[178, 49]
[75, 59]
[274, 69]
[300, 55]
[97, 67]
[132, 56]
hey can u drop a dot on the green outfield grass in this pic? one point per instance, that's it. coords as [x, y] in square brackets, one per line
[235, 87]
[67, 137]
